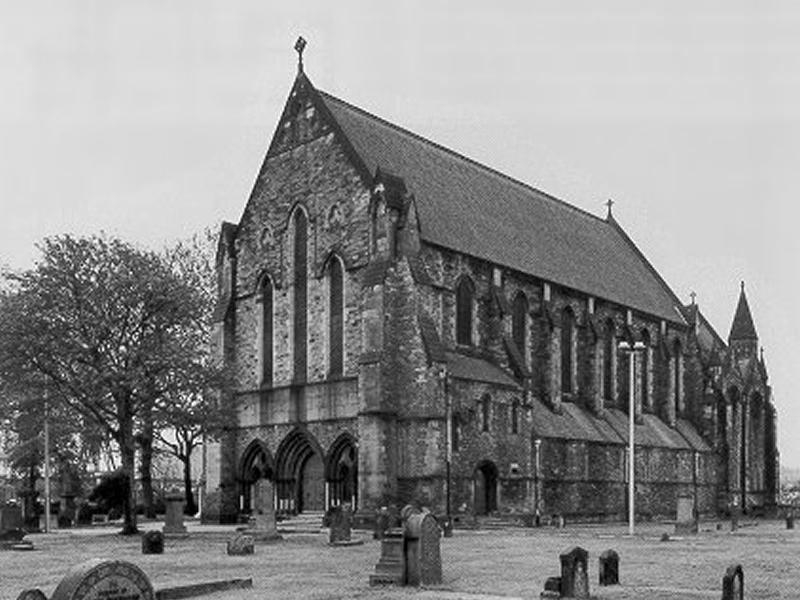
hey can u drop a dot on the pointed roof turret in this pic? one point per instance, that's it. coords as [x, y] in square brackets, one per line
[742, 327]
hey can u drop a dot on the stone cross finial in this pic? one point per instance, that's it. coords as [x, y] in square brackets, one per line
[299, 46]
[742, 284]
[609, 204]
[693, 295]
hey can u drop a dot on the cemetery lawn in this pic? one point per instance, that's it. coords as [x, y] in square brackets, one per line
[507, 562]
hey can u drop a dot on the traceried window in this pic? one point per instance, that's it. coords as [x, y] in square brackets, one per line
[455, 433]
[335, 317]
[465, 291]
[266, 331]
[567, 346]
[519, 320]
[300, 295]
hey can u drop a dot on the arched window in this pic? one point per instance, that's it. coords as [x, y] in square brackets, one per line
[378, 226]
[266, 331]
[645, 359]
[519, 321]
[300, 295]
[486, 410]
[609, 354]
[455, 433]
[464, 296]
[678, 374]
[335, 317]
[515, 416]
[567, 345]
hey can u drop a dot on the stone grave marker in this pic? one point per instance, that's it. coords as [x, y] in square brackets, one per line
[98, 579]
[385, 518]
[264, 526]
[422, 551]
[173, 519]
[733, 583]
[341, 524]
[391, 566]
[790, 521]
[240, 545]
[152, 542]
[685, 522]
[609, 568]
[574, 573]
[32, 594]
[552, 588]
[10, 518]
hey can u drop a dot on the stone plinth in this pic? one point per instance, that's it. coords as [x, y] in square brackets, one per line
[173, 519]
[391, 566]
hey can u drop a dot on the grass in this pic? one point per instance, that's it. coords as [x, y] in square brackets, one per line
[511, 562]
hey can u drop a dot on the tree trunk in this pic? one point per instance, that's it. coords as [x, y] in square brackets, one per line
[190, 507]
[145, 467]
[127, 449]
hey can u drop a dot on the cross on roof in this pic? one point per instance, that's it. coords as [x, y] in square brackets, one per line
[693, 295]
[299, 46]
[609, 204]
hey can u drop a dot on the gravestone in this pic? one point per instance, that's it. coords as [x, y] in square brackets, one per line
[263, 527]
[240, 545]
[341, 524]
[33, 594]
[391, 566]
[422, 551]
[685, 522]
[609, 568]
[173, 519]
[574, 573]
[790, 521]
[733, 583]
[10, 517]
[386, 517]
[552, 588]
[98, 579]
[152, 542]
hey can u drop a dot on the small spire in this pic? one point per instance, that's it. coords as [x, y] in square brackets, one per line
[609, 204]
[693, 296]
[742, 284]
[299, 46]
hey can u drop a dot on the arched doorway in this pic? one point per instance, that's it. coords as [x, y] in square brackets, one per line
[485, 486]
[342, 471]
[299, 473]
[256, 463]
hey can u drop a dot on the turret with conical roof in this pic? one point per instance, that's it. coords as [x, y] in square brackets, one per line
[743, 339]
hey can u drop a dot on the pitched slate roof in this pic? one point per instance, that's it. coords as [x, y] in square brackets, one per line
[742, 327]
[468, 207]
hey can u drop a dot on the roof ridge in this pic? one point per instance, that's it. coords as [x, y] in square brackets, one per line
[469, 160]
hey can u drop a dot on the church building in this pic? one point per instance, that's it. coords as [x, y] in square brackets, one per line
[404, 324]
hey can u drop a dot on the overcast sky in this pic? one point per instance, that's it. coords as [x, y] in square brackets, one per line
[149, 120]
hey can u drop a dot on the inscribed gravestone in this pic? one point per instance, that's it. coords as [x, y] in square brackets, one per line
[609, 568]
[241, 545]
[10, 517]
[341, 524]
[733, 583]
[264, 524]
[685, 522]
[574, 575]
[34, 594]
[98, 579]
[391, 566]
[422, 551]
[173, 519]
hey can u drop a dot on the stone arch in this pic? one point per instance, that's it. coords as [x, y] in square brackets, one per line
[341, 471]
[485, 486]
[255, 463]
[265, 295]
[299, 473]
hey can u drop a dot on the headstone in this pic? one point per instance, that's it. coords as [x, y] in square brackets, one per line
[552, 588]
[240, 545]
[98, 579]
[173, 519]
[10, 517]
[33, 594]
[341, 524]
[423, 556]
[152, 542]
[790, 521]
[733, 583]
[386, 517]
[685, 522]
[609, 568]
[391, 566]
[264, 527]
[574, 573]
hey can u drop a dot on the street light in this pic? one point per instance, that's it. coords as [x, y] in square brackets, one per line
[631, 348]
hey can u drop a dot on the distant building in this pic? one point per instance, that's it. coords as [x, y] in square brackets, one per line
[387, 304]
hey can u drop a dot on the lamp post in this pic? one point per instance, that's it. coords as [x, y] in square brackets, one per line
[46, 464]
[631, 348]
